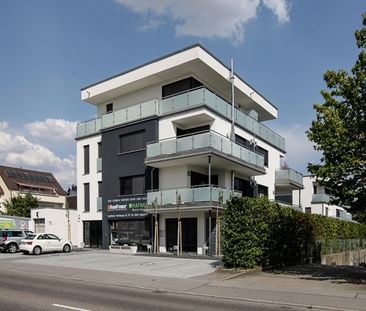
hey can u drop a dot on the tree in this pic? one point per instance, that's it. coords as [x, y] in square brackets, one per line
[21, 205]
[339, 133]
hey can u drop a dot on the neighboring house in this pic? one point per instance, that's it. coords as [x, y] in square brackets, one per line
[164, 133]
[42, 185]
[61, 221]
[315, 199]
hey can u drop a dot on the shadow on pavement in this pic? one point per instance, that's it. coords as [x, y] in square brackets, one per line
[335, 274]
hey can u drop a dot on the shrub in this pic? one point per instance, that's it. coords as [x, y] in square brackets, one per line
[258, 232]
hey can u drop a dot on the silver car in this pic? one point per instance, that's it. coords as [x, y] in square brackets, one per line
[10, 239]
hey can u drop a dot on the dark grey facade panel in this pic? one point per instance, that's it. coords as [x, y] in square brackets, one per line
[116, 165]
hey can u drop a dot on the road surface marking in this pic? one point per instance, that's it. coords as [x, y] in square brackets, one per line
[68, 307]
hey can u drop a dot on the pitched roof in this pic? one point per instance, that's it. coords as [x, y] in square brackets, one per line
[14, 177]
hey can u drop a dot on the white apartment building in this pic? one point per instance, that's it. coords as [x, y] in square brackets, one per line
[166, 145]
[315, 199]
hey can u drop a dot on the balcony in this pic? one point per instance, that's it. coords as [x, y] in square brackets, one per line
[99, 204]
[194, 149]
[181, 102]
[288, 179]
[320, 198]
[99, 165]
[200, 197]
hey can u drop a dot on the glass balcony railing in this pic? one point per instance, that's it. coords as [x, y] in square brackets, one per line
[289, 176]
[203, 140]
[99, 203]
[190, 195]
[180, 102]
[99, 164]
[320, 198]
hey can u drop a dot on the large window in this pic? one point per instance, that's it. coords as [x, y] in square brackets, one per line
[99, 188]
[193, 130]
[86, 198]
[100, 149]
[180, 86]
[132, 142]
[264, 153]
[132, 185]
[86, 159]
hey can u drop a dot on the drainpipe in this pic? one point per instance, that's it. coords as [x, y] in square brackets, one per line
[232, 134]
[152, 179]
[209, 176]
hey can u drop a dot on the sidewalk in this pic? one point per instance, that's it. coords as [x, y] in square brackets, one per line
[311, 286]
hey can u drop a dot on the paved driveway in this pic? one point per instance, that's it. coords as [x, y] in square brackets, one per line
[105, 261]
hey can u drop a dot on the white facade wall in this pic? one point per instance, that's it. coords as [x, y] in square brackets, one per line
[173, 177]
[133, 98]
[92, 178]
[56, 222]
[167, 129]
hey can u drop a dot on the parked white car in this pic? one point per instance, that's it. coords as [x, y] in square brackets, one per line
[44, 242]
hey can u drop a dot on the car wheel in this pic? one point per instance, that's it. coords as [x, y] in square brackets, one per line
[12, 248]
[66, 248]
[37, 250]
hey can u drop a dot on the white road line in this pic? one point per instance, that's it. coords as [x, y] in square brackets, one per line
[68, 307]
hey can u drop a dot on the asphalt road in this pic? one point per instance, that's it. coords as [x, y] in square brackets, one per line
[29, 292]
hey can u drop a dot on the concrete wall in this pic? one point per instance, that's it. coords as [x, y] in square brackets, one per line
[56, 222]
[351, 258]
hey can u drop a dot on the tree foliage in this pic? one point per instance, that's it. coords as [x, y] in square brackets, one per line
[339, 132]
[21, 205]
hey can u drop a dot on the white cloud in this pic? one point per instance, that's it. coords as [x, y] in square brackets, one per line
[52, 129]
[299, 149]
[3, 125]
[208, 18]
[19, 151]
[279, 8]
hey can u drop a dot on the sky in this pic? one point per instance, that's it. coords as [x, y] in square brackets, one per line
[50, 49]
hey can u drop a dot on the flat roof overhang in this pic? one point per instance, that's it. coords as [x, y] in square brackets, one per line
[193, 61]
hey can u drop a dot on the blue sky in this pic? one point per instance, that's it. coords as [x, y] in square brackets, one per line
[50, 49]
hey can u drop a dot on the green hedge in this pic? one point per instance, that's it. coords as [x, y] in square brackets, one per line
[258, 232]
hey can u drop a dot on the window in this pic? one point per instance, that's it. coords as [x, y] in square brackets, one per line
[180, 86]
[109, 108]
[315, 189]
[132, 185]
[17, 234]
[307, 210]
[193, 130]
[262, 191]
[100, 149]
[132, 142]
[263, 152]
[50, 236]
[86, 159]
[99, 188]
[39, 225]
[86, 198]
[242, 141]
[338, 213]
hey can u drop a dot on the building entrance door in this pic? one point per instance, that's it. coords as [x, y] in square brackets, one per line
[189, 234]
